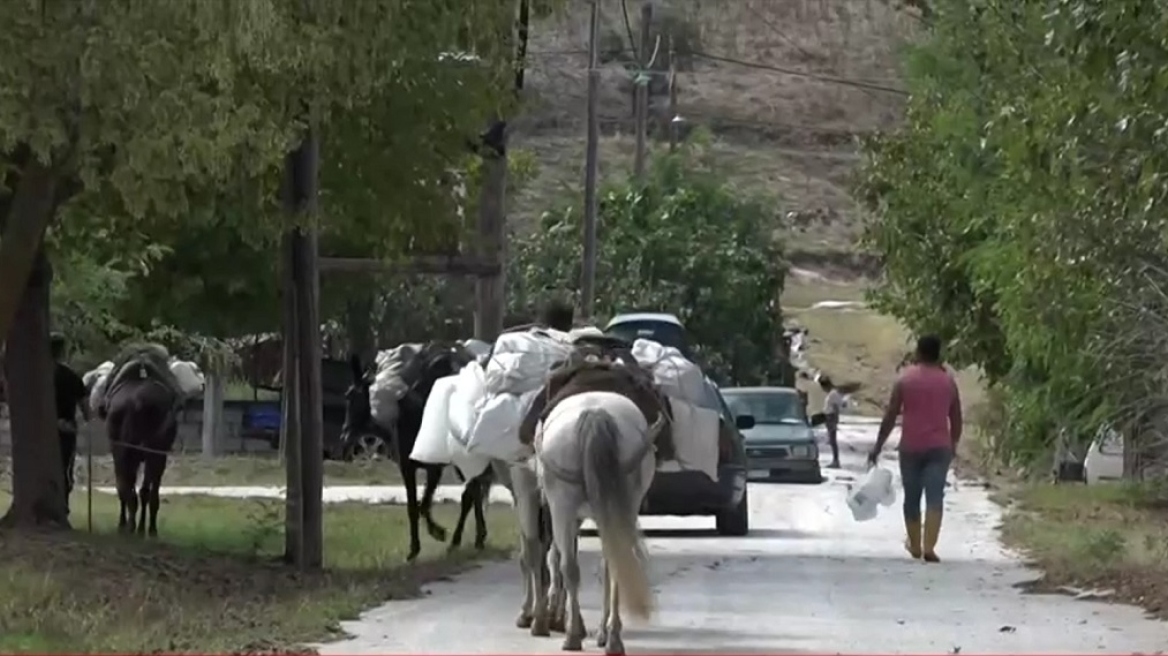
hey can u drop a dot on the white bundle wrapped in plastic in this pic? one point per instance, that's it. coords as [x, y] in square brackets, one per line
[190, 378]
[674, 374]
[477, 347]
[388, 386]
[92, 377]
[521, 361]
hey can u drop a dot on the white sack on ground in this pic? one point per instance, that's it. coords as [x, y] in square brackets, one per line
[695, 437]
[874, 490]
[496, 429]
[388, 387]
[469, 391]
[432, 445]
[674, 374]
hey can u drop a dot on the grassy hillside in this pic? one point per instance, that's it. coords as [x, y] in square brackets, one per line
[784, 87]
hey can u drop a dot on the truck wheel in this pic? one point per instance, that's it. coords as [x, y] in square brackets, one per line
[734, 521]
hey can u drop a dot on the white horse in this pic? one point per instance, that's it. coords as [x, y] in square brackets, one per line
[534, 544]
[595, 459]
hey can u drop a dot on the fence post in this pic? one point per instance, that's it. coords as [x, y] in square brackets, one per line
[213, 424]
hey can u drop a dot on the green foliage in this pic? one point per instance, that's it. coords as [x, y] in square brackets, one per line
[1022, 203]
[685, 242]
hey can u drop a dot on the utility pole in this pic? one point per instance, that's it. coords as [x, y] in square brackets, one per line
[674, 119]
[490, 289]
[642, 91]
[591, 164]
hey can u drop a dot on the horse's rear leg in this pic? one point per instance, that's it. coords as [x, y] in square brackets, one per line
[433, 477]
[409, 472]
[481, 498]
[565, 530]
[151, 484]
[468, 500]
[125, 486]
[131, 498]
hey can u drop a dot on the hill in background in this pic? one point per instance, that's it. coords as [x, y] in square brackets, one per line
[784, 86]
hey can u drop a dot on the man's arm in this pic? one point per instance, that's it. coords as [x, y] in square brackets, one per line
[891, 412]
[956, 420]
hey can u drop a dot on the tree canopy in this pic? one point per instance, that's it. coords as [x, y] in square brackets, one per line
[1020, 208]
[685, 242]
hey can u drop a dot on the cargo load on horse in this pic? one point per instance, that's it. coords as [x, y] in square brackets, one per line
[142, 360]
[491, 412]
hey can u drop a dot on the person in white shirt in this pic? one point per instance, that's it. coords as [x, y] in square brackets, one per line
[833, 406]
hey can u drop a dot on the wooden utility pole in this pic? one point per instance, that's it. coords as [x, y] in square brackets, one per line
[490, 301]
[642, 90]
[591, 165]
[674, 119]
[302, 385]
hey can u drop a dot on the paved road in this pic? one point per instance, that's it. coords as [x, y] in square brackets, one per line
[808, 579]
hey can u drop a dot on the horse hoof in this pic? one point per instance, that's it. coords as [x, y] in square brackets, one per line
[438, 533]
[480, 544]
[412, 555]
[573, 643]
[523, 621]
[453, 548]
[539, 628]
[558, 625]
[601, 638]
[615, 648]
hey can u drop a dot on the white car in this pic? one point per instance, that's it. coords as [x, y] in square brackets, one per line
[1104, 461]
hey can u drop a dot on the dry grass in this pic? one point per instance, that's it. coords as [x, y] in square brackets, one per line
[1096, 537]
[210, 584]
[857, 345]
[790, 134]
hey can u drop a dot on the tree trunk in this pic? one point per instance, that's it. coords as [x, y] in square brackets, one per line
[26, 217]
[38, 482]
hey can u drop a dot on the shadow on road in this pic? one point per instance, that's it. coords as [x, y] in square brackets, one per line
[706, 533]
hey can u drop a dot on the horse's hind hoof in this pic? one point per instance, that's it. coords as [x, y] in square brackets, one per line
[539, 628]
[601, 637]
[437, 532]
[524, 621]
[558, 625]
[480, 544]
[573, 643]
[412, 555]
[615, 648]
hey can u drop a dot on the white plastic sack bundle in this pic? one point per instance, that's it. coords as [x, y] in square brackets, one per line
[496, 429]
[477, 347]
[674, 374]
[695, 431]
[521, 361]
[469, 391]
[388, 386]
[102, 370]
[433, 442]
[190, 379]
[874, 490]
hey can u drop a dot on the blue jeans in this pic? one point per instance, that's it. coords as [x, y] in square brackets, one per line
[924, 472]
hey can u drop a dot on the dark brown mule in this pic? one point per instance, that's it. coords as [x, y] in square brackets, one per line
[436, 361]
[142, 427]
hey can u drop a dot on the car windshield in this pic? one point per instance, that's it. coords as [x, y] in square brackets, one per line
[662, 332]
[767, 407]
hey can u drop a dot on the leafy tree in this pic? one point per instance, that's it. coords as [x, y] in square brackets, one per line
[685, 242]
[143, 121]
[1021, 203]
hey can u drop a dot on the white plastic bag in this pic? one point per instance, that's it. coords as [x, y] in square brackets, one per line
[874, 490]
[190, 379]
[495, 433]
[469, 389]
[433, 442]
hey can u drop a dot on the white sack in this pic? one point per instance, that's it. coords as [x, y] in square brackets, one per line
[584, 331]
[468, 393]
[388, 387]
[521, 361]
[675, 375]
[469, 464]
[477, 347]
[496, 429]
[695, 437]
[433, 442]
[190, 379]
[874, 490]
[91, 378]
[104, 372]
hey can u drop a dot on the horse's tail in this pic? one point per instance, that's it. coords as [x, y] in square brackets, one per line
[611, 499]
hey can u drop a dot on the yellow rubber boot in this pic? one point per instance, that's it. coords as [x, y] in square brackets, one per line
[912, 543]
[932, 532]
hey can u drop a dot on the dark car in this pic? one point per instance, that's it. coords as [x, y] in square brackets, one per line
[690, 491]
[261, 417]
[781, 445]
